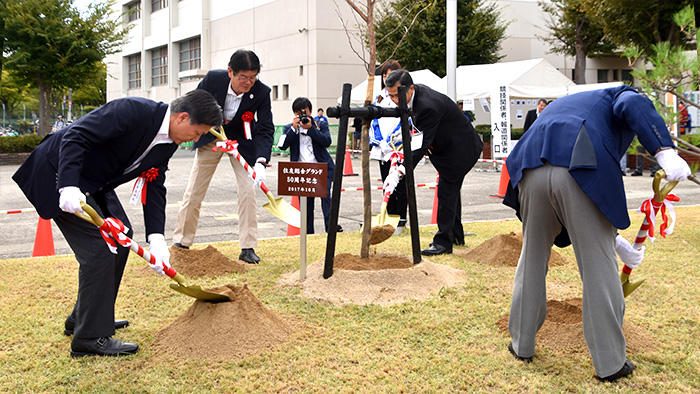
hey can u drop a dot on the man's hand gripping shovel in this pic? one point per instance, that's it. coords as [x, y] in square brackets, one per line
[650, 208]
[276, 206]
[120, 238]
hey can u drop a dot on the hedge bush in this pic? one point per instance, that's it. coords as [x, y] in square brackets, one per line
[485, 131]
[19, 143]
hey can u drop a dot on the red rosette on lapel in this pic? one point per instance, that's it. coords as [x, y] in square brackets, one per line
[247, 118]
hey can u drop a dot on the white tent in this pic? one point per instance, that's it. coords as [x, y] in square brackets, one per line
[425, 77]
[592, 86]
[526, 79]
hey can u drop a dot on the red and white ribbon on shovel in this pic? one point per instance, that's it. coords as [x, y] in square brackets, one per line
[650, 208]
[140, 186]
[247, 118]
[113, 232]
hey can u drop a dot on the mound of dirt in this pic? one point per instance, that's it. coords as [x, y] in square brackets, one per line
[562, 331]
[224, 330]
[504, 249]
[378, 286]
[353, 262]
[203, 262]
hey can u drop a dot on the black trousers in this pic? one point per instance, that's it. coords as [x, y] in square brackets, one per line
[449, 214]
[653, 167]
[398, 203]
[325, 207]
[100, 271]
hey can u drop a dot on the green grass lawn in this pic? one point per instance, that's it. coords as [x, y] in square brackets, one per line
[448, 343]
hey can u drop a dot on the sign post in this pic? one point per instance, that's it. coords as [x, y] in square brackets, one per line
[303, 180]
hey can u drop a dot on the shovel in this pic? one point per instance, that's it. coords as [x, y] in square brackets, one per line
[276, 206]
[378, 232]
[192, 291]
[659, 196]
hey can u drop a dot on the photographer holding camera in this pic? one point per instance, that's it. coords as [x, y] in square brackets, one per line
[308, 141]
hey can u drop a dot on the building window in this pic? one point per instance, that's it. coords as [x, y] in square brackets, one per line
[602, 75]
[573, 74]
[285, 92]
[134, 62]
[627, 77]
[301, 71]
[275, 93]
[158, 5]
[159, 66]
[616, 74]
[133, 11]
[190, 54]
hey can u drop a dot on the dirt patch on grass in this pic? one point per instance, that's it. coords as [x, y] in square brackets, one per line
[562, 331]
[353, 262]
[380, 286]
[224, 330]
[203, 262]
[503, 249]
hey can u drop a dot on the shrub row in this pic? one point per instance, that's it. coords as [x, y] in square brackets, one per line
[19, 143]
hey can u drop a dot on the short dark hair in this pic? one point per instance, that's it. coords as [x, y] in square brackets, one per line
[244, 59]
[301, 103]
[388, 65]
[201, 106]
[319, 110]
[542, 101]
[399, 76]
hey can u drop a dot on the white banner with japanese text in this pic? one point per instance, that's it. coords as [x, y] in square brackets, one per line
[500, 122]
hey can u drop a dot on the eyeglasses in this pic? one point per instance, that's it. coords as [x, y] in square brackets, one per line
[243, 78]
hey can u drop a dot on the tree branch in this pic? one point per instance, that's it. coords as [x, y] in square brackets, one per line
[357, 9]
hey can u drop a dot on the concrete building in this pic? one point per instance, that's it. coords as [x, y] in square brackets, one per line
[302, 46]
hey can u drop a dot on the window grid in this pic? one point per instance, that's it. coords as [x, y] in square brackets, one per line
[134, 62]
[159, 66]
[190, 54]
[133, 11]
[158, 5]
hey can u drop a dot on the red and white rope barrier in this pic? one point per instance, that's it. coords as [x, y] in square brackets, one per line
[23, 210]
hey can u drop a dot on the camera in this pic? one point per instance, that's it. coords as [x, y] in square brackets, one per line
[303, 118]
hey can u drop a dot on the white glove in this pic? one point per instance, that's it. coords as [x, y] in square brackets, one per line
[259, 169]
[70, 198]
[629, 255]
[159, 249]
[675, 167]
[392, 180]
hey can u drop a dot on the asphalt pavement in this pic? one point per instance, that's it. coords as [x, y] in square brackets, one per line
[219, 220]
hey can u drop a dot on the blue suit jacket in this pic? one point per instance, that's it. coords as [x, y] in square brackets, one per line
[93, 153]
[320, 141]
[588, 133]
[257, 101]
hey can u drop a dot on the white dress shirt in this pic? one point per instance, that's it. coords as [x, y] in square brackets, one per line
[306, 148]
[162, 137]
[231, 104]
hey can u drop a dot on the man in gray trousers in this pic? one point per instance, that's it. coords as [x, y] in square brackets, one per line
[566, 186]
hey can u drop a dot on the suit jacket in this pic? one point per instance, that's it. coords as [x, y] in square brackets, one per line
[588, 133]
[92, 154]
[320, 141]
[257, 101]
[448, 136]
[530, 118]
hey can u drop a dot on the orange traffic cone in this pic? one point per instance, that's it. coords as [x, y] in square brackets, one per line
[347, 169]
[433, 217]
[43, 241]
[291, 230]
[503, 183]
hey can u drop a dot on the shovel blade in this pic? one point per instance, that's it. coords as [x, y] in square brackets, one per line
[384, 218]
[199, 293]
[283, 210]
[628, 286]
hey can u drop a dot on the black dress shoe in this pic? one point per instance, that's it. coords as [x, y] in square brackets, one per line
[524, 359]
[70, 325]
[626, 369]
[339, 230]
[435, 249]
[101, 347]
[248, 255]
[181, 246]
[636, 173]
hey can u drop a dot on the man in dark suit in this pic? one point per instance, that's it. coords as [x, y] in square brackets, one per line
[243, 98]
[566, 186]
[308, 141]
[122, 140]
[441, 130]
[533, 114]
